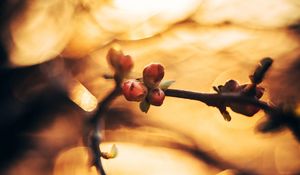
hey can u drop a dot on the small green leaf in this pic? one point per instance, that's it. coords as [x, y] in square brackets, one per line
[144, 106]
[166, 84]
[113, 151]
[112, 154]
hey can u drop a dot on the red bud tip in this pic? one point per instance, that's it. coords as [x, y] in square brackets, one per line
[113, 56]
[121, 63]
[153, 74]
[156, 97]
[134, 90]
[126, 64]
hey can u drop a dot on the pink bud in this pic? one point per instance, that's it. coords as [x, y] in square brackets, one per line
[156, 97]
[134, 90]
[113, 56]
[121, 63]
[153, 74]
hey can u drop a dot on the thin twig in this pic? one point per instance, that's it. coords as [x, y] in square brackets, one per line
[95, 138]
[278, 117]
[219, 100]
[215, 99]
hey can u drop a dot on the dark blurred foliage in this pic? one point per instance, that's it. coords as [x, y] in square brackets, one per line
[29, 101]
[283, 85]
[21, 116]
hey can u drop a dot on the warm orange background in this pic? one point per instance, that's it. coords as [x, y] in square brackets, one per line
[201, 44]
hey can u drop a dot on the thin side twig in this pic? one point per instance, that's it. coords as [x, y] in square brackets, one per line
[94, 136]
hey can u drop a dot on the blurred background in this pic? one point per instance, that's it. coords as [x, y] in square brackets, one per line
[52, 58]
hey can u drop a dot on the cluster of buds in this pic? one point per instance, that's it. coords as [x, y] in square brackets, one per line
[121, 64]
[147, 90]
[152, 76]
[249, 90]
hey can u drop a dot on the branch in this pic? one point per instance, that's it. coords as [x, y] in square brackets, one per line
[94, 136]
[148, 90]
[216, 99]
[242, 99]
[278, 115]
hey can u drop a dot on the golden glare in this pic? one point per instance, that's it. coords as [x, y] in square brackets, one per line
[39, 33]
[249, 13]
[228, 172]
[87, 36]
[287, 157]
[75, 28]
[74, 161]
[82, 97]
[154, 160]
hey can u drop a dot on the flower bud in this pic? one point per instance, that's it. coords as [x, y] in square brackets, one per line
[156, 97]
[113, 56]
[121, 63]
[134, 90]
[153, 74]
[231, 86]
[126, 64]
[248, 110]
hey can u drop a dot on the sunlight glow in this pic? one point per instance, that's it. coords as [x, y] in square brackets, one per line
[202, 43]
[154, 160]
[39, 34]
[82, 97]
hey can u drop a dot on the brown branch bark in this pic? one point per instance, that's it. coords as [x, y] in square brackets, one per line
[278, 116]
[214, 99]
[94, 136]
